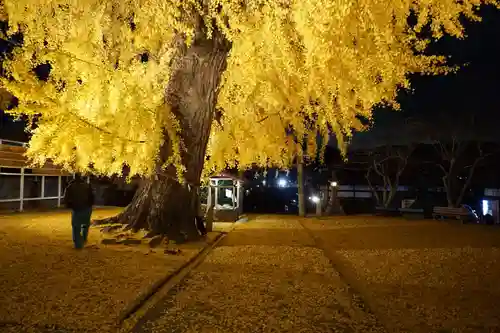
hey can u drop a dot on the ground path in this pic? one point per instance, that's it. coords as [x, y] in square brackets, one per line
[418, 276]
[272, 274]
[266, 276]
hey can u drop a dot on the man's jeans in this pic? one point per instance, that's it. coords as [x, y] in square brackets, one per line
[80, 221]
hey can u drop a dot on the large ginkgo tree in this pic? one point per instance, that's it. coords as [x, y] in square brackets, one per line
[160, 85]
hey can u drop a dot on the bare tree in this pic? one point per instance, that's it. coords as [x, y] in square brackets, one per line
[458, 160]
[384, 168]
[383, 153]
[461, 144]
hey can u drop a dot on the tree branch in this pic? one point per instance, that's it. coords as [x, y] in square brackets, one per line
[374, 191]
[66, 54]
[472, 169]
[88, 123]
[100, 129]
[376, 167]
[442, 168]
[267, 117]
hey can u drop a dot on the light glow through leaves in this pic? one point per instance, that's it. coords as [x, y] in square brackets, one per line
[331, 60]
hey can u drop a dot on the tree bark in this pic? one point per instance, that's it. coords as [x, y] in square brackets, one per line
[333, 206]
[468, 181]
[454, 196]
[387, 188]
[390, 185]
[372, 188]
[300, 186]
[162, 204]
[448, 188]
[390, 195]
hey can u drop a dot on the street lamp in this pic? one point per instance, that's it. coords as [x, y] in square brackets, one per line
[314, 198]
[333, 184]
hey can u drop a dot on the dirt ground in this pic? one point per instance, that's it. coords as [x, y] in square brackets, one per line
[44, 282]
[419, 276]
[416, 276]
[266, 276]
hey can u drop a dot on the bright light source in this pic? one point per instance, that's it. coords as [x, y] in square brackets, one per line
[264, 182]
[485, 206]
[282, 182]
[333, 184]
[314, 198]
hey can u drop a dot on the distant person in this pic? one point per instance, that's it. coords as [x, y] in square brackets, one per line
[79, 197]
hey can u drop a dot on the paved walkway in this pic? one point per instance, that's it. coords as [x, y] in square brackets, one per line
[266, 276]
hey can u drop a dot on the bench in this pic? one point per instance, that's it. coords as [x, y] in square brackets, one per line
[381, 211]
[412, 213]
[459, 213]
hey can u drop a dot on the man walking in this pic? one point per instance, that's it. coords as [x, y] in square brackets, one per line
[79, 197]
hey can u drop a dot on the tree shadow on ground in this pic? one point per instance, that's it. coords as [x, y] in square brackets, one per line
[411, 236]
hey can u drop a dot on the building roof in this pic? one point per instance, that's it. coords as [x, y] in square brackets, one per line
[228, 176]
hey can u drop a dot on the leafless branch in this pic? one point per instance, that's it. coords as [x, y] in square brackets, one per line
[374, 191]
[378, 168]
[267, 117]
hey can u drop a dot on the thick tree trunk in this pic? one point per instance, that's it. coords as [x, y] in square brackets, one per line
[161, 204]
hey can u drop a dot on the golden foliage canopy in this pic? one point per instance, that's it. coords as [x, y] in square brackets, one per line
[291, 60]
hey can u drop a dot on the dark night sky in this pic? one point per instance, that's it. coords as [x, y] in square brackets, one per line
[475, 87]
[9, 129]
[473, 90]
[453, 99]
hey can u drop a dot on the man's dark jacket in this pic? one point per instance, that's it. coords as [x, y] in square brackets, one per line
[79, 195]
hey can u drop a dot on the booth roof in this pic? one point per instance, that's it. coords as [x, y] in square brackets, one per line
[227, 176]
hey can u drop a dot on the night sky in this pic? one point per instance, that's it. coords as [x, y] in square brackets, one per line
[440, 101]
